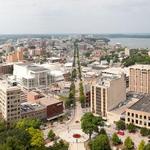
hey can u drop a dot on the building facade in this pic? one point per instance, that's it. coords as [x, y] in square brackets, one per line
[139, 78]
[107, 94]
[31, 76]
[139, 113]
[10, 99]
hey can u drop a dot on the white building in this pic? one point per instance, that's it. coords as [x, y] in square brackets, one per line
[31, 76]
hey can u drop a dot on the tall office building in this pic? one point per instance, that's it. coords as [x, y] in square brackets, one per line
[10, 97]
[107, 94]
[139, 78]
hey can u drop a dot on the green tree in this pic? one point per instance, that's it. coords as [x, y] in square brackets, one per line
[101, 142]
[51, 135]
[98, 121]
[87, 54]
[128, 144]
[36, 137]
[144, 131]
[115, 139]
[27, 123]
[87, 124]
[147, 147]
[61, 145]
[120, 125]
[141, 145]
[90, 123]
[2, 125]
[131, 128]
[102, 131]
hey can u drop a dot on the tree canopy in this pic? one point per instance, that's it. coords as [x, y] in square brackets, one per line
[101, 142]
[90, 123]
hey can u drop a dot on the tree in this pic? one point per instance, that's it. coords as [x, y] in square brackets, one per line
[87, 54]
[120, 125]
[101, 142]
[27, 123]
[90, 123]
[141, 145]
[61, 145]
[87, 124]
[115, 139]
[102, 131]
[128, 144]
[131, 128]
[36, 137]
[51, 135]
[98, 121]
[144, 131]
[147, 147]
[2, 125]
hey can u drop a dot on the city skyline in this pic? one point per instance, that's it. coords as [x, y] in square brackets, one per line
[70, 16]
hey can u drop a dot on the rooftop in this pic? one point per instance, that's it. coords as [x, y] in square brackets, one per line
[142, 105]
[140, 66]
[29, 107]
[49, 100]
[7, 87]
[105, 80]
[33, 67]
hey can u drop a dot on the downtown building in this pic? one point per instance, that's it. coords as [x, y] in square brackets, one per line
[139, 79]
[139, 113]
[10, 100]
[108, 93]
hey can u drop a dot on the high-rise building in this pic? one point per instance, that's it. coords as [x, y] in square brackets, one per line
[108, 93]
[139, 78]
[10, 99]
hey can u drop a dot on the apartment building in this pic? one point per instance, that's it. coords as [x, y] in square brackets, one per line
[31, 76]
[139, 113]
[15, 56]
[10, 97]
[139, 78]
[107, 94]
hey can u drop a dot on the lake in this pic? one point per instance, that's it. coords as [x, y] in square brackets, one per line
[132, 42]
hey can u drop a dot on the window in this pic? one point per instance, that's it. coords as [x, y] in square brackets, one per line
[140, 116]
[144, 117]
[136, 115]
[128, 114]
[132, 114]
[128, 119]
[136, 121]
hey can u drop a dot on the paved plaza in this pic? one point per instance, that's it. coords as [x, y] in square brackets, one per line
[68, 136]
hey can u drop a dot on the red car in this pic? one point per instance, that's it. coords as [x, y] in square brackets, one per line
[120, 133]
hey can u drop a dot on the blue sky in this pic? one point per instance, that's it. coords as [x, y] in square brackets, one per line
[74, 16]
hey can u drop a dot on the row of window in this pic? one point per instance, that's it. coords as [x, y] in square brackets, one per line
[138, 122]
[138, 116]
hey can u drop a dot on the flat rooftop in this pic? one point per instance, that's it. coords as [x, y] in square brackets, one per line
[142, 105]
[140, 66]
[30, 107]
[33, 67]
[49, 100]
[4, 85]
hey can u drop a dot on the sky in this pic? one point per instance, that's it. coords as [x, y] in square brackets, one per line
[74, 16]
